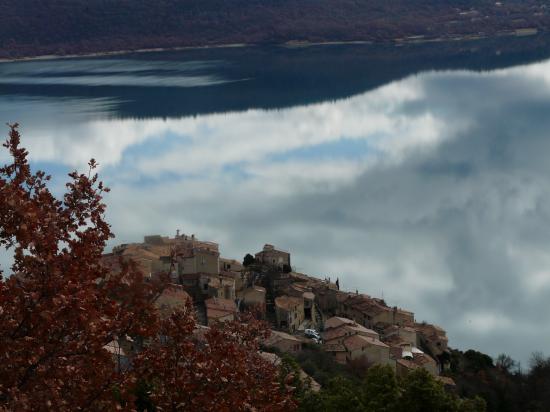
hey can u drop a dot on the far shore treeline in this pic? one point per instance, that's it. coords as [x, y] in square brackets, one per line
[57, 27]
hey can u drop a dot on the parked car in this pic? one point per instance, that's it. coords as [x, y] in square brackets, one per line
[313, 334]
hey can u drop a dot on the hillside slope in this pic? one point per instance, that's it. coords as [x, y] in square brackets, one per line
[32, 27]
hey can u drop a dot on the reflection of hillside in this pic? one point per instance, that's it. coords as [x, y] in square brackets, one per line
[279, 77]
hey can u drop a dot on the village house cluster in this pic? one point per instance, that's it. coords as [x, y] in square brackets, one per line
[351, 327]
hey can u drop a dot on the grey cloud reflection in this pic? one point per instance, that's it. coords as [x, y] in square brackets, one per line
[444, 210]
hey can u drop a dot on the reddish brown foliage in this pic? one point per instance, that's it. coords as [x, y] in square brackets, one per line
[61, 307]
[220, 372]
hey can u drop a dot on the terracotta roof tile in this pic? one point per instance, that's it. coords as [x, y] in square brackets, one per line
[336, 321]
[173, 297]
[277, 336]
[358, 341]
[288, 302]
[221, 304]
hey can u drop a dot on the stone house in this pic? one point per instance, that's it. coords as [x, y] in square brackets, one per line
[220, 310]
[199, 260]
[397, 333]
[402, 317]
[289, 312]
[338, 351]
[432, 337]
[230, 265]
[364, 310]
[220, 286]
[325, 297]
[426, 361]
[254, 297]
[361, 348]
[283, 342]
[274, 257]
[337, 321]
[279, 281]
[375, 351]
[372, 312]
[202, 286]
[311, 312]
[338, 329]
[240, 280]
[418, 360]
[172, 298]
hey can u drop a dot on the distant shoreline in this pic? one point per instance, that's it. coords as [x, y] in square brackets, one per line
[288, 44]
[122, 52]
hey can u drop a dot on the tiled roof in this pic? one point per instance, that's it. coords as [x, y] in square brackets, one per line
[365, 304]
[355, 342]
[362, 330]
[422, 359]
[220, 303]
[277, 336]
[217, 313]
[405, 312]
[430, 330]
[173, 297]
[334, 333]
[256, 289]
[396, 352]
[337, 321]
[358, 341]
[288, 302]
[348, 330]
[407, 363]
[408, 329]
[394, 340]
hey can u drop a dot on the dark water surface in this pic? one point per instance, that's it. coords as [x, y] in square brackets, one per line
[420, 173]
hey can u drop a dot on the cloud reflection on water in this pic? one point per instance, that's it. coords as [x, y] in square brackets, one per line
[432, 191]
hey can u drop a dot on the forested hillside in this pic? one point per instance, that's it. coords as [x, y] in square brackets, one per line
[33, 27]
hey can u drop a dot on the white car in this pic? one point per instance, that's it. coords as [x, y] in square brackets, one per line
[313, 334]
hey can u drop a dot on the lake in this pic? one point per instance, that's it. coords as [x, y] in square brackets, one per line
[418, 173]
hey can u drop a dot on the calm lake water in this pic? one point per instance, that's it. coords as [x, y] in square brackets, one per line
[417, 173]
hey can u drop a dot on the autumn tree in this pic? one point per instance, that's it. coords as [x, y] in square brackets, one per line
[218, 369]
[61, 306]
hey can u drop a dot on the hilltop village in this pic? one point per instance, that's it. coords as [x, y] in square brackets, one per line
[302, 310]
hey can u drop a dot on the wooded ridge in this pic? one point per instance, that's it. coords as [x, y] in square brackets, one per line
[33, 27]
